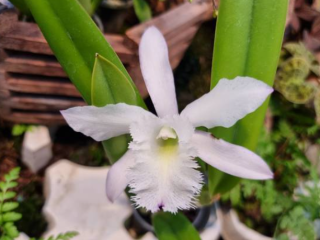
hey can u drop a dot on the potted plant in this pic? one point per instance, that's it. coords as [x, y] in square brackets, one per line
[173, 183]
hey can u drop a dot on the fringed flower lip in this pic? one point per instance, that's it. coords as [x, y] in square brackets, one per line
[159, 166]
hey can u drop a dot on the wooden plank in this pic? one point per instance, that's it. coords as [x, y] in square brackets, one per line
[174, 21]
[136, 75]
[28, 37]
[8, 21]
[40, 103]
[4, 92]
[28, 65]
[3, 55]
[41, 86]
[186, 36]
[33, 65]
[34, 118]
[176, 61]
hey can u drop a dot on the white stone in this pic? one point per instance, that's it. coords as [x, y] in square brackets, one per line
[232, 228]
[36, 148]
[22, 236]
[76, 201]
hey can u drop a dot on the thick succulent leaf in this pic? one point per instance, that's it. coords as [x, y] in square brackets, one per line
[173, 227]
[243, 47]
[296, 91]
[89, 5]
[295, 67]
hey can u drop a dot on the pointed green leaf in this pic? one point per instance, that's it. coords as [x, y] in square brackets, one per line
[4, 186]
[75, 40]
[142, 10]
[174, 227]
[110, 85]
[11, 184]
[9, 206]
[11, 230]
[248, 41]
[11, 217]
[7, 195]
[12, 175]
[89, 5]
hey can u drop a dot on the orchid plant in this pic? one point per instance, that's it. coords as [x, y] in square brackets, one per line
[160, 166]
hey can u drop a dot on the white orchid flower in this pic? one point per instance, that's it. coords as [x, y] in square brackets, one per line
[6, 3]
[159, 166]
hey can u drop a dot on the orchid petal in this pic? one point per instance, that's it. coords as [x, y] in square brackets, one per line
[228, 102]
[102, 123]
[157, 73]
[229, 158]
[116, 178]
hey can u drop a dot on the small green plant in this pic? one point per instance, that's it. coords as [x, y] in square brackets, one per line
[8, 230]
[61, 236]
[296, 65]
[8, 217]
[19, 129]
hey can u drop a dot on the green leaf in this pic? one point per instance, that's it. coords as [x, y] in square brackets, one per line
[6, 238]
[89, 5]
[11, 230]
[12, 175]
[7, 195]
[142, 10]
[173, 227]
[11, 217]
[244, 47]
[9, 206]
[110, 85]
[18, 129]
[75, 40]
[4, 186]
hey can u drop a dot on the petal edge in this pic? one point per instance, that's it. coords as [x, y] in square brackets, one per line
[228, 102]
[230, 158]
[157, 72]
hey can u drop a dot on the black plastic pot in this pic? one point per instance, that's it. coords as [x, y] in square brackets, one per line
[199, 222]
